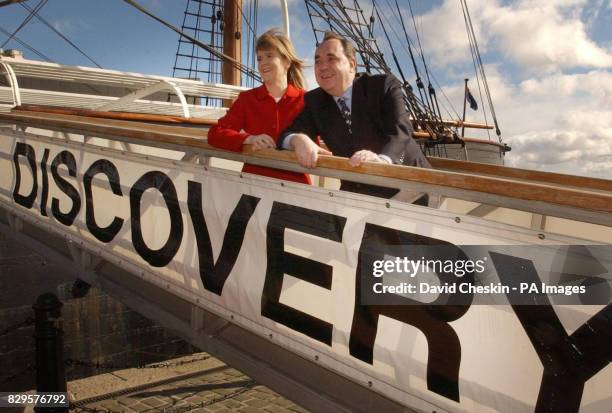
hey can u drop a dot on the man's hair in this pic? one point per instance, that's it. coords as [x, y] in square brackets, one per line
[349, 49]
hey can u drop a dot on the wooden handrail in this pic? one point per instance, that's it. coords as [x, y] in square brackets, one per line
[507, 187]
[522, 174]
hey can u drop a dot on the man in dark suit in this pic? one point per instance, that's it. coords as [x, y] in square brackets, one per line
[362, 117]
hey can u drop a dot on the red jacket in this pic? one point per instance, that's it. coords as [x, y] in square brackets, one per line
[256, 112]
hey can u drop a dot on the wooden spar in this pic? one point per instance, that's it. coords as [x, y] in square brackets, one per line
[131, 116]
[541, 191]
[142, 117]
[135, 130]
[232, 40]
[471, 125]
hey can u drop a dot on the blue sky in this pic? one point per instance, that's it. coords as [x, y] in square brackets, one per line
[549, 62]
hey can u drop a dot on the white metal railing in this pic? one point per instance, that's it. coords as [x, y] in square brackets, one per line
[138, 84]
[85, 101]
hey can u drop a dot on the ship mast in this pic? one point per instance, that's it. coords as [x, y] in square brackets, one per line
[232, 41]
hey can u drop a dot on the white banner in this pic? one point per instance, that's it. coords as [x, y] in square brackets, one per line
[290, 259]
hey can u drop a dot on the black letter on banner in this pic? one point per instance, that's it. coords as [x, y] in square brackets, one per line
[568, 361]
[444, 348]
[45, 184]
[107, 168]
[311, 222]
[23, 149]
[213, 274]
[66, 158]
[160, 181]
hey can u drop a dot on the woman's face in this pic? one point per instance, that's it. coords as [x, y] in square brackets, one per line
[272, 66]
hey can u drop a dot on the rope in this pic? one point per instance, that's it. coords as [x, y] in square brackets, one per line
[477, 60]
[64, 37]
[27, 46]
[25, 21]
[242, 68]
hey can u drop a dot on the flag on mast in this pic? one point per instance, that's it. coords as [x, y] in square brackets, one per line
[471, 99]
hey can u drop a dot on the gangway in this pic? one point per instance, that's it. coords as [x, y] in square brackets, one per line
[270, 276]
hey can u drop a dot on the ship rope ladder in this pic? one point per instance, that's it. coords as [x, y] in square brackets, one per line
[203, 19]
[351, 22]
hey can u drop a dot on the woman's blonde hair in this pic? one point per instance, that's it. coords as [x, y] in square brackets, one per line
[274, 39]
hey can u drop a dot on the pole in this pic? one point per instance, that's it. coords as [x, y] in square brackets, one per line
[232, 44]
[464, 102]
[49, 340]
[232, 33]
[285, 13]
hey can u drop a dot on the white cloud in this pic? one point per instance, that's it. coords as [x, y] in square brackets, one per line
[540, 36]
[597, 83]
[583, 146]
[69, 26]
[443, 31]
[558, 122]
[561, 123]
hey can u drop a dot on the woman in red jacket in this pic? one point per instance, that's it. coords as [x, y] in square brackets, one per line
[259, 115]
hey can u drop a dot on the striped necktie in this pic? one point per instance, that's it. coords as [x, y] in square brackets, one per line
[346, 113]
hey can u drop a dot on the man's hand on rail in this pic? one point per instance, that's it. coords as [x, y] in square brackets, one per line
[306, 151]
[365, 156]
[258, 142]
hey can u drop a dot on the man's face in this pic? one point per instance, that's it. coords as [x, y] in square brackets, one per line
[333, 70]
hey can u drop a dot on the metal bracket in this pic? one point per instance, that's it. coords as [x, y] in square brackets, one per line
[84, 260]
[204, 322]
[15, 222]
[538, 222]
[435, 201]
[146, 91]
[12, 80]
[482, 210]
[196, 158]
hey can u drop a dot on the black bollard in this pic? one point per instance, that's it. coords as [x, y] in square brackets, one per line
[49, 337]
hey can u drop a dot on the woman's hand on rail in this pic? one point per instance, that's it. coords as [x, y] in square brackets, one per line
[262, 141]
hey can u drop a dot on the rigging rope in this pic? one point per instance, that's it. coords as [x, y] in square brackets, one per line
[418, 41]
[414, 106]
[241, 67]
[178, 49]
[421, 102]
[255, 7]
[419, 81]
[430, 88]
[476, 70]
[478, 61]
[41, 19]
[251, 32]
[335, 15]
[27, 46]
[25, 21]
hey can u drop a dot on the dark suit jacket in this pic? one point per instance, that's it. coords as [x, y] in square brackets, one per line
[379, 120]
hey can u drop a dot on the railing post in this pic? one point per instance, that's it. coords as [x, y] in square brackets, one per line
[49, 338]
